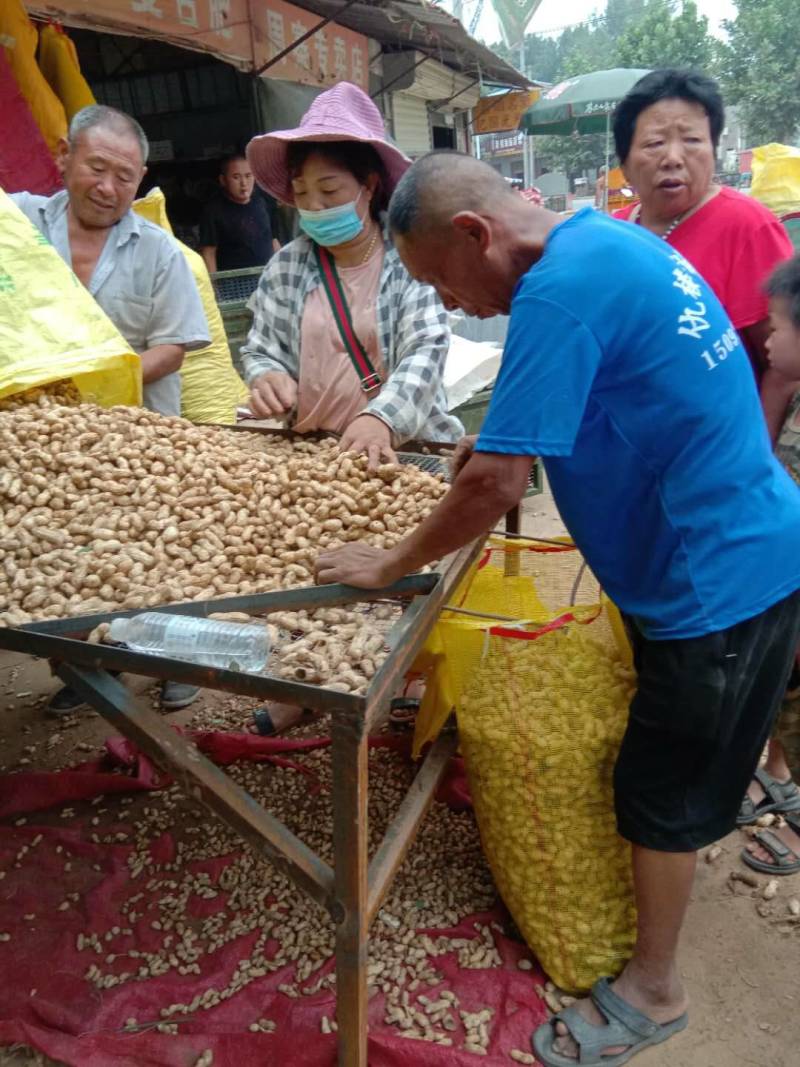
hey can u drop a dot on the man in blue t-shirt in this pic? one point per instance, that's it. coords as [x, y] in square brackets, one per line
[622, 370]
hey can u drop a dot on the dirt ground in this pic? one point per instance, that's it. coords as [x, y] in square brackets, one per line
[740, 966]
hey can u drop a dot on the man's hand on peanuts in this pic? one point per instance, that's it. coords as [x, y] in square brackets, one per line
[360, 565]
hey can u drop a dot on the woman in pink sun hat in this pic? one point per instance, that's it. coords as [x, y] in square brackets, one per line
[343, 339]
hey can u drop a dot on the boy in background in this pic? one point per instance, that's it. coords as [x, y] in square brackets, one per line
[777, 851]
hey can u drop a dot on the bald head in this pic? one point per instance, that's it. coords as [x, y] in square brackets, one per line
[460, 227]
[442, 185]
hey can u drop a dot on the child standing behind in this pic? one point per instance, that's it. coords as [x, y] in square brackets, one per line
[774, 789]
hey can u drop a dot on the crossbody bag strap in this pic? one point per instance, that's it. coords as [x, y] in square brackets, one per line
[368, 377]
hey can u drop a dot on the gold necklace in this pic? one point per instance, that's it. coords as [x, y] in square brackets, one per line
[370, 246]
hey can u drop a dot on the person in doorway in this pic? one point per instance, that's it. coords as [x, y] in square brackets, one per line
[666, 132]
[343, 339]
[236, 229]
[774, 789]
[135, 271]
[623, 371]
[600, 189]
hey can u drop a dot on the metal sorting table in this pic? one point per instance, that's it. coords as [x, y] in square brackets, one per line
[354, 887]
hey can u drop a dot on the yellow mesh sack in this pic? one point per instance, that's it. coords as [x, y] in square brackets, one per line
[210, 387]
[497, 585]
[542, 707]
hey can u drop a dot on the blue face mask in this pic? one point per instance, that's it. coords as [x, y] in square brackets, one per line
[333, 225]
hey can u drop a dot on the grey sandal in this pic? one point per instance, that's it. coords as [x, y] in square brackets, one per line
[625, 1025]
[779, 797]
[787, 861]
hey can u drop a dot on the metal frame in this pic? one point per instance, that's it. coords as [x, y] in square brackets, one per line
[353, 889]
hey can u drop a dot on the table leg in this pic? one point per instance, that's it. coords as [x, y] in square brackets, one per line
[513, 520]
[349, 764]
[513, 524]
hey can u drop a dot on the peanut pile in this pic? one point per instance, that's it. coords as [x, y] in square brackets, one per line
[104, 509]
[340, 648]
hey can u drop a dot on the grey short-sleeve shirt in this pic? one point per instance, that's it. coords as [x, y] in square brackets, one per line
[143, 283]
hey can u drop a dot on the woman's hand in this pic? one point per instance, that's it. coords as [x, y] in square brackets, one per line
[272, 395]
[464, 450]
[371, 437]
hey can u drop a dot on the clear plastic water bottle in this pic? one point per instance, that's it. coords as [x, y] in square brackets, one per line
[231, 645]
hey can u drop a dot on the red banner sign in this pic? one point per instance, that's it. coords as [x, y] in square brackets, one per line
[331, 55]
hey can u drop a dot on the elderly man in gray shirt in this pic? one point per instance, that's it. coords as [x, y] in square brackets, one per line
[135, 271]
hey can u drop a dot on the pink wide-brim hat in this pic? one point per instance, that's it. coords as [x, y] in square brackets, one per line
[343, 113]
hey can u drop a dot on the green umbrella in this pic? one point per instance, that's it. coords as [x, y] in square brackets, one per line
[583, 104]
[580, 105]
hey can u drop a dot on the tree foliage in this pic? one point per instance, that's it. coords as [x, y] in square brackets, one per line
[620, 14]
[660, 39]
[761, 68]
[573, 154]
[632, 33]
[585, 48]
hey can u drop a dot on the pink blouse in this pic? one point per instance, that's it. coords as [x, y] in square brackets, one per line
[329, 394]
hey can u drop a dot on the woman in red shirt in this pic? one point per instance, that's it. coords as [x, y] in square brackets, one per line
[666, 132]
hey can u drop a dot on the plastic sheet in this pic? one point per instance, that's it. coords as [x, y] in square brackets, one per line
[68, 1019]
[19, 37]
[51, 328]
[776, 177]
[26, 165]
[58, 62]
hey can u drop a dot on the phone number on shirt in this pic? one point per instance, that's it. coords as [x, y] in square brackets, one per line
[723, 347]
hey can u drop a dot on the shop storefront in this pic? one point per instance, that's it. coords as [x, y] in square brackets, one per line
[203, 76]
[185, 69]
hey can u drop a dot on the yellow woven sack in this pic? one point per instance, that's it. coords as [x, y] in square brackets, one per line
[58, 62]
[210, 387]
[454, 644]
[542, 708]
[776, 177]
[19, 37]
[51, 327]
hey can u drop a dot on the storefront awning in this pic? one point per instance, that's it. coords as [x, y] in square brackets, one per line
[249, 34]
[420, 25]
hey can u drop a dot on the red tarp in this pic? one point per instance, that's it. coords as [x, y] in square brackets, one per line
[72, 1021]
[25, 161]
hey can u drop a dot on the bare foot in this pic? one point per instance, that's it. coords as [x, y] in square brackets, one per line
[661, 1009]
[787, 835]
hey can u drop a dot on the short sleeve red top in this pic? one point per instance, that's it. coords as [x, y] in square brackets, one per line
[735, 243]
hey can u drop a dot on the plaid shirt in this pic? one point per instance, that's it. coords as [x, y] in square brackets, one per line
[412, 327]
